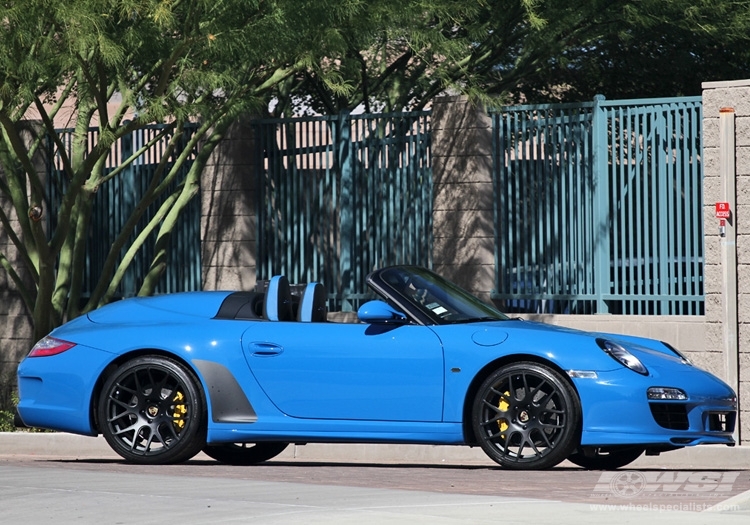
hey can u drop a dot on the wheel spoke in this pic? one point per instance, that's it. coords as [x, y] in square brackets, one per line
[127, 429]
[545, 437]
[525, 387]
[492, 406]
[546, 399]
[538, 389]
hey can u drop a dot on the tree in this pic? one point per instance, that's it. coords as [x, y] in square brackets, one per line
[391, 55]
[649, 48]
[120, 65]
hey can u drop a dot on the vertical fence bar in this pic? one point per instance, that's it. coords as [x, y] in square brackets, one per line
[601, 204]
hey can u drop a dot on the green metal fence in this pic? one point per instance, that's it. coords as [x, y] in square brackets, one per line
[599, 207]
[114, 203]
[340, 196]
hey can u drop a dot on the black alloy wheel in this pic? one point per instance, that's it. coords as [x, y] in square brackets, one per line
[152, 411]
[245, 453]
[526, 416]
[606, 458]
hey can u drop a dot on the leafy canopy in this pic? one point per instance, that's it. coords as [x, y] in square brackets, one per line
[118, 66]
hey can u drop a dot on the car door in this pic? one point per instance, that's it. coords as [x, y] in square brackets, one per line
[348, 371]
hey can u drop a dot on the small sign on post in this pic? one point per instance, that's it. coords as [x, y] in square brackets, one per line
[722, 210]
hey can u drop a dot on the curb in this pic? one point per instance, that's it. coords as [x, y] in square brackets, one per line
[60, 444]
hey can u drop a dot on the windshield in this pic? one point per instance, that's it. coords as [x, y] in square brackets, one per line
[439, 299]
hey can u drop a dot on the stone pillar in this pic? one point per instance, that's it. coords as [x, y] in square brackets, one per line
[228, 214]
[16, 327]
[728, 339]
[16, 330]
[464, 249]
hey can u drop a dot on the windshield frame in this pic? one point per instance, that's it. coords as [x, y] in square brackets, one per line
[429, 299]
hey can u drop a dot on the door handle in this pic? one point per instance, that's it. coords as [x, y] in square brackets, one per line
[259, 349]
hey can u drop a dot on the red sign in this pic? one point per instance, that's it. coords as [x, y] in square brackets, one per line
[722, 210]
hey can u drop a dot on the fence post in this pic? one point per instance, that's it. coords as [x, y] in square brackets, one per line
[601, 219]
[342, 142]
[127, 188]
[728, 174]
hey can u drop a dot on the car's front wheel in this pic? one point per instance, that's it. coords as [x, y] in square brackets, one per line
[606, 458]
[152, 411]
[526, 416]
[245, 453]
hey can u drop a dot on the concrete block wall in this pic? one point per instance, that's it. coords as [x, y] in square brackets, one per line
[728, 340]
[16, 332]
[228, 216]
[16, 328]
[463, 224]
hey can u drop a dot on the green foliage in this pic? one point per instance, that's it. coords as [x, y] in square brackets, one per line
[120, 65]
[6, 421]
[392, 55]
[649, 48]
[7, 416]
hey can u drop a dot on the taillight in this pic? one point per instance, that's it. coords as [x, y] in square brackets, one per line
[48, 346]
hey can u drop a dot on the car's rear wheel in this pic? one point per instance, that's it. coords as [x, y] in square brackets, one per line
[245, 453]
[152, 411]
[606, 458]
[526, 416]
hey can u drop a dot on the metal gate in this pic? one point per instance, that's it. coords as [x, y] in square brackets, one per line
[340, 196]
[598, 207]
[117, 200]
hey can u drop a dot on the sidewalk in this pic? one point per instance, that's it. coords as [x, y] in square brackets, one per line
[709, 457]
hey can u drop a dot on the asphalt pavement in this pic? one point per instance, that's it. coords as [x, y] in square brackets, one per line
[62, 478]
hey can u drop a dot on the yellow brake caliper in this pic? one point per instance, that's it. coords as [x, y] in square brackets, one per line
[503, 405]
[179, 411]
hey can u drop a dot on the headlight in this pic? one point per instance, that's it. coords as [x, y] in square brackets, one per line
[666, 393]
[622, 356]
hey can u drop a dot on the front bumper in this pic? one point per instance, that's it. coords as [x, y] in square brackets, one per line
[616, 410]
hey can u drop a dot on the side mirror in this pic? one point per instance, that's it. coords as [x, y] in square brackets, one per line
[374, 312]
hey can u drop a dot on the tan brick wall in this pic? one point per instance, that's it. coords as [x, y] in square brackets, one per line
[15, 324]
[734, 95]
[228, 218]
[463, 219]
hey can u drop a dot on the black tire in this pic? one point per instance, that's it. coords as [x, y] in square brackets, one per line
[152, 411]
[526, 416]
[245, 453]
[606, 458]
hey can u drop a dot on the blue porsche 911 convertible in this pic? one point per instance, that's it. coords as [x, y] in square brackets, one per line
[240, 375]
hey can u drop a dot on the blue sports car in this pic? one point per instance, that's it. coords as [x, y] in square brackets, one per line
[240, 375]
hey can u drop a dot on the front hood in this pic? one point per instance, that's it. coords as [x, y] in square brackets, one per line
[629, 341]
[567, 347]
